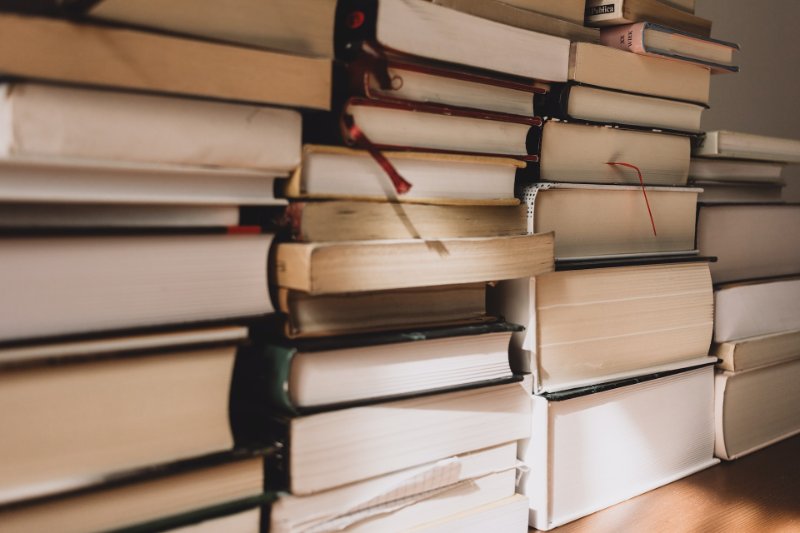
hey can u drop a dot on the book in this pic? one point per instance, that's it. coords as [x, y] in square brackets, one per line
[649, 38]
[150, 499]
[757, 351]
[533, 17]
[393, 310]
[738, 192]
[617, 12]
[62, 123]
[755, 408]
[334, 448]
[604, 66]
[686, 5]
[597, 325]
[735, 170]
[401, 500]
[72, 180]
[604, 106]
[750, 241]
[612, 220]
[508, 514]
[46, 48]
[238, 522]
[334, 172]
[162, 279]
[309, 375]
[335, 221]
[663, 159]
[413, 126]
[752, 309]
[436, 33]
[297, 27]
[571, 10]
[737, 145]
[86, 410]
[383, 75]
[352, 266]
[591, 451]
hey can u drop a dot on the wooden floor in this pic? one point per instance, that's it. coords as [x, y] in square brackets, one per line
[760, 492]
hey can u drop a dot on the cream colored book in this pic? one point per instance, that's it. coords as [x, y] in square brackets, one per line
[755, 352]
[598, 325]
[756, 308]
[738, 145]
[337, 267]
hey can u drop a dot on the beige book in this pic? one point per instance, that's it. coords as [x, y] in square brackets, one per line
[598, 325]
[617, 12]
[756, 408]
[330, 268]
[571, 10]
[517, 13]
[581, 153]
[303, 27]
[604, 66]
[45, 48]
[611, 220]
[755, 352]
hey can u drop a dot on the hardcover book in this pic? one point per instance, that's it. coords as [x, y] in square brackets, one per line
[616, 12]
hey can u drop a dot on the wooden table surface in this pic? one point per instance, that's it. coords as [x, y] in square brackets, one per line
[759, 492]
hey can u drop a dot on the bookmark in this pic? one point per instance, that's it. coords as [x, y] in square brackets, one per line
[644, 192]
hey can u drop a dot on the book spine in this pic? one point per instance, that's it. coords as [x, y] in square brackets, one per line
[629, 37]
[603, 11]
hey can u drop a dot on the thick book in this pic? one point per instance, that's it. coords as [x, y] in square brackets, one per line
[757, 351]
[303, 27]
[750, 240]
[607, 106]
[405, 499]
[153, 498]
[604, 66]
[533, 16]
[308, 316]
[603, 324]
[757, 308]
[756, 408]
[79, 411]
[333, 221]
[724, 170]
[591, 451]
[62, 123]
[738, 145]
[738, 192]
[66, 285]
[581, 153]
[334, 448]
[46, 48]
[425, 30]
[648, 38]
[332, 172]
[337, 267]
[508, 514]
[594, 221]
[321, 374]
[617, 12]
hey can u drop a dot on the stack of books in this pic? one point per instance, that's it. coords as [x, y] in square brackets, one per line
[617, 339]
[127, 159]
[757, 286]
[385, 381]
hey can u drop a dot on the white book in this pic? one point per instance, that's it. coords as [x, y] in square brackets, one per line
[49, 121]
[592, 451]
[507, 515]
[758, 308]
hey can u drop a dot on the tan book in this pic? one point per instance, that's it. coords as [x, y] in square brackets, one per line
[755, 352]
[604, 66]
[57, 50]
[517, 13]
[363, 312]
[618, 12]
[330, 268]
[361, 221]
[303, 27]
[590, 326]
[571, 10]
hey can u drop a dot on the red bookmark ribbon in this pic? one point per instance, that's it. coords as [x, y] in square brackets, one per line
[360, 139]
[644, 192]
